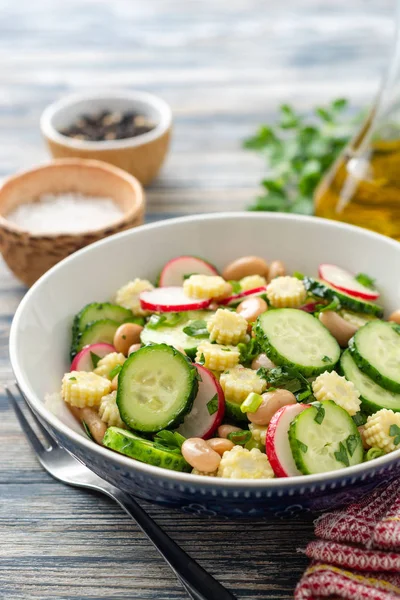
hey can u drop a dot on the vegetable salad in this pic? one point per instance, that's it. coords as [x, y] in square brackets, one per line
[248, 374]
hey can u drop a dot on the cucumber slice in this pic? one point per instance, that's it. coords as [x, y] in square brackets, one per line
[234, 414]
[130, 444]
[175, 336]
[373, 396]
[322, 289]
[100, 331]
[356, 319]
[297, 339]
[375, 349]
[156, 388]
[98, 312]
[325, 438]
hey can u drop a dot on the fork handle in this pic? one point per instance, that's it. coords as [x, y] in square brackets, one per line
[199, 584]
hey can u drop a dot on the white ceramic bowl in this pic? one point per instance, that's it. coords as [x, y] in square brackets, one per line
[142, 156]
[40, 338]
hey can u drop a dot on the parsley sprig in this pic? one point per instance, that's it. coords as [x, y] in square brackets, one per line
[299, 150]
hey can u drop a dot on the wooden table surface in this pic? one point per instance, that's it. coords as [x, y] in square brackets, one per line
[224, 67]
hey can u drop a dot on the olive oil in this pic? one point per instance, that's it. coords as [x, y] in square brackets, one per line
[363, 188]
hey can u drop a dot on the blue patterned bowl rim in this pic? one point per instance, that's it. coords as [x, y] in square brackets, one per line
[302, 483]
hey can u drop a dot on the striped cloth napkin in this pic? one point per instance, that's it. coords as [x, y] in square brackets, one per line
[357, 553]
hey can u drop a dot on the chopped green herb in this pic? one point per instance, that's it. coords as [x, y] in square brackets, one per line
[202, 360]
[115, 371]
[248, 352]
[365, 280]
[169, 440]
[285, 377]
[319, 417]
[334, 305]
[188, 275]
[298, 275]
[352, 443]
[197, 329]
[236, 287]
[251, 403]
[359, 419]
[326, 359]
[301, 396]
[72, 378]
[373, 453]
[240, 438]
[87, 430]
[95, 359]
[303, 447]
[226, 350]
[341, 455]
[212, 405]
[298, 151]
[169, 320]
[394, 431]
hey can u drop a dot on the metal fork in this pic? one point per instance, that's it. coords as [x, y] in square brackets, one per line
[199, 584]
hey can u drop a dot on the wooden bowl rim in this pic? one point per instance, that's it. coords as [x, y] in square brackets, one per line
[138, 199]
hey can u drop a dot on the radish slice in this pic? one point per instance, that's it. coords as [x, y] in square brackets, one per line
[87, 358]
[242, 295]
[346, 282]
[175, 269]
[208, 408]
[277, 441]
[170, 299]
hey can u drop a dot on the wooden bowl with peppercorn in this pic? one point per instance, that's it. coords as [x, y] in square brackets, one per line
[53, 210]
[130, 130]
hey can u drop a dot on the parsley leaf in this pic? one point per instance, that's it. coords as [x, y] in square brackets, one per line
[95, 359]
[298, 151]
[352, 443]
[169, 440]
[212, 405]
[365, 280]
[341, 455]
[394, 432]
[320, 416]
[326, 359]
[248, 352]
[359, 419]
[285, 377]
[334, 305]
[197, 329]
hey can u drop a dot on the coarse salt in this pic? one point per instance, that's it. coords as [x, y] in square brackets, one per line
[65, 213]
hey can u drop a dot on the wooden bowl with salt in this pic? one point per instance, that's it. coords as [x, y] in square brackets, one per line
[53, 210]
